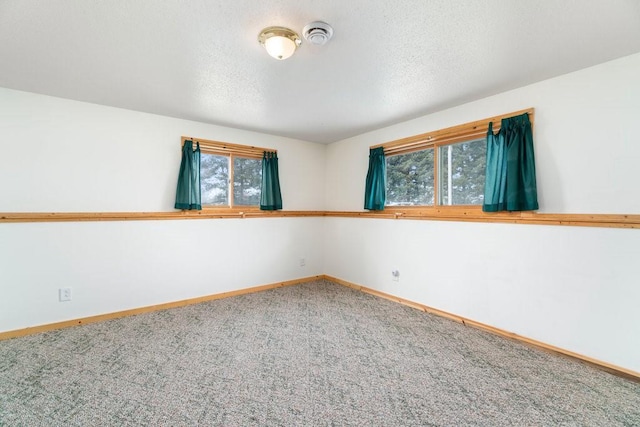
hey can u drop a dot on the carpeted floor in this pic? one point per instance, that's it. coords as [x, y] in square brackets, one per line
[317, 354]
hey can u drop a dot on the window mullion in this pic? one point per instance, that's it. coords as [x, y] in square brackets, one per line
[449, 175]
[231, 180]
[436, 176]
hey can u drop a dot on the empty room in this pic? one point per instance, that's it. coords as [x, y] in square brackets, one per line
[319, 213]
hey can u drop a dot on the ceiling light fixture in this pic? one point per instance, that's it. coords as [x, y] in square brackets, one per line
[280, 42]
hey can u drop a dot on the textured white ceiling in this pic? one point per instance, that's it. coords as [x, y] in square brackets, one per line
[388, 61]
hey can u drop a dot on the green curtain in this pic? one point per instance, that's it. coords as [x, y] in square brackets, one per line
[510, 180]
[270, 196]
[188, 191]
[375, 186]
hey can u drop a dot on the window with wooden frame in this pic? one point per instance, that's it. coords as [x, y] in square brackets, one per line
[440, 168]
[230, 174]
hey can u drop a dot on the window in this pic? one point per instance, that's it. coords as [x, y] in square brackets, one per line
[230, 174]
[410, 178]
[247, 180]
[215, 171]
[462, 169]
[214, 179]
[442, 168]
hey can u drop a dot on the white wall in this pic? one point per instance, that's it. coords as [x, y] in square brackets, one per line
[59, 155]
[585, 139]
[113, 266]
[575, 288]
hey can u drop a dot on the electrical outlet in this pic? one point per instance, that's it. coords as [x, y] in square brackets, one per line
[64, 294]
[303, 262]
[395, 275]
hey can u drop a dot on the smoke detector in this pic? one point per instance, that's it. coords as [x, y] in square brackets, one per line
[317, 33]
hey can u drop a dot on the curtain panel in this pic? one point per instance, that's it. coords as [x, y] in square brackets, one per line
[375, 186]
[270, 195]
[188, 191]
[510, 181]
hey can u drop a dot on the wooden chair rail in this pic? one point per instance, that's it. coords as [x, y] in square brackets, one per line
[466, 214]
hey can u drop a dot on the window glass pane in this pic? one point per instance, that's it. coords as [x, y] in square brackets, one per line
[462, 170]
[247, 177]
[410, 178]
[214, 179]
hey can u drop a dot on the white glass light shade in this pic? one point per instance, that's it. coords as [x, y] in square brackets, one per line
[279, 42]
[280, 47]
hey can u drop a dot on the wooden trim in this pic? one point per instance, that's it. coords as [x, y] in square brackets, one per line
[205, 213]
[226, 148]
[231, 151]
[475, 214]
[627, 373]
[617, 370]
[440, 213]
[450, 135]
[132, 312]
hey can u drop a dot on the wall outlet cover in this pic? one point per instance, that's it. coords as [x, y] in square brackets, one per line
[64, 294]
